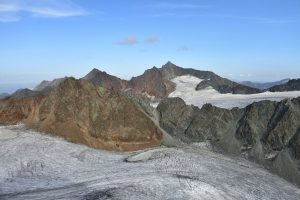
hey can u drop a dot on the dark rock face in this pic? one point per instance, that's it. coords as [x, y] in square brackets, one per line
[292, 85]
[105, 80]
[264, 86]
[266, 132]
[84, 113]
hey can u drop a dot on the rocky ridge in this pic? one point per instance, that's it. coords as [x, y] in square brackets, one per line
[83, 113]
[156, 82]
[265, 132]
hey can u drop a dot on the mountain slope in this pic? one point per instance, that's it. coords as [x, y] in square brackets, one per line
[264, 86]
[292, 85]
[271, 138]
[83, 113]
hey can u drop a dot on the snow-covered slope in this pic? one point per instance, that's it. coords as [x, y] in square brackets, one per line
[36, 166]
[185, 89]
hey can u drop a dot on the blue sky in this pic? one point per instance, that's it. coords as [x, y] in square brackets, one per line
[242, 40]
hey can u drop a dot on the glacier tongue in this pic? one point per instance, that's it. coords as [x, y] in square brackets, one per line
[36, 166]
[185, 89]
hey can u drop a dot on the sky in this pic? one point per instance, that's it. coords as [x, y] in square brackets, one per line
[257, 40]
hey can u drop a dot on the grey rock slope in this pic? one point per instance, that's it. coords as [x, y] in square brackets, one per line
[292, 85]
[265, 132]
[264, 86]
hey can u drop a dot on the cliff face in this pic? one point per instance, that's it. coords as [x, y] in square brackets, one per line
[266, 132]
[83, 113]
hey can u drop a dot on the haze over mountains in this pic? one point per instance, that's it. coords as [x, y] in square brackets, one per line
[264, 86]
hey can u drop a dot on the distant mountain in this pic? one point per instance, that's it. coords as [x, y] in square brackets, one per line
[157, 81]
[47, 86]
[105, 80]
[264, 86]
[292, 85]
[3, 95]
[154, 82]
[22, 93]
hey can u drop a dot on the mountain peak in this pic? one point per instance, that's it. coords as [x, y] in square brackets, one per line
[96, 71]
[103, 79]
[169, 63]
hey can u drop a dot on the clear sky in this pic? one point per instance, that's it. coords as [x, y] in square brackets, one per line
[239, 39]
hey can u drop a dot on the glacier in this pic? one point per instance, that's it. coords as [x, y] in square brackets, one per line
[39, 166]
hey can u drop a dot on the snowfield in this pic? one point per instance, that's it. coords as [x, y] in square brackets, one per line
[185, 89]
[37, 166]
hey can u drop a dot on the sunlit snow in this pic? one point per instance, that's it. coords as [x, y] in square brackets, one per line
[35, 166]
[185, 89]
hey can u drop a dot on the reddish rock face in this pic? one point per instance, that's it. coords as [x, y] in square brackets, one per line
[86, 114]
[153, 83]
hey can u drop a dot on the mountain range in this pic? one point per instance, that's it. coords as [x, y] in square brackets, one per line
[106, 112]
[264, 86]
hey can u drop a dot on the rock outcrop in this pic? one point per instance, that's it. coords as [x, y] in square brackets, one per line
[292, 85]
[265, 132]
[84, 113]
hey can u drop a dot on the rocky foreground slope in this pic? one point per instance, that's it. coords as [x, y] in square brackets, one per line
[266, 132]
[83, 113]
